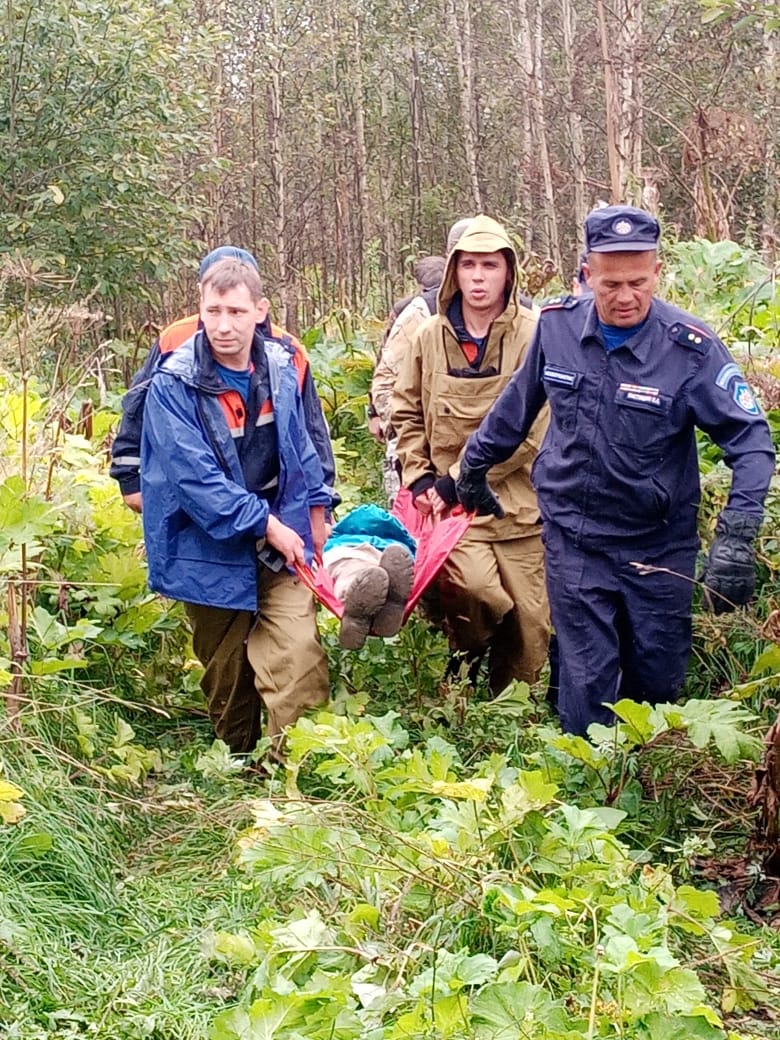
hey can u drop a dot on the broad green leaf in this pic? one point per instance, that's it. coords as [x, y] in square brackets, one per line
[499, 1010]
[718, 721]
[233, 947]
[768, 661]
[697, 1026]
[52, 665]
[695, 903]
[35, 844]
[24, 517]
[530, 791]
[307, 933]
[638, 719]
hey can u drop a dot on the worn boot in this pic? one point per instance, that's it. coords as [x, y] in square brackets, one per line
[398, 564]
[365, 597]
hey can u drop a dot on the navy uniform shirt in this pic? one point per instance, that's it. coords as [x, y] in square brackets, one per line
[619, 459]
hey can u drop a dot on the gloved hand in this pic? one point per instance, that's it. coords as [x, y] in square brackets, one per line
[730, 575]
[475, 494]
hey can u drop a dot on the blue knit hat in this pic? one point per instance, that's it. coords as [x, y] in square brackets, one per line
[225, 253]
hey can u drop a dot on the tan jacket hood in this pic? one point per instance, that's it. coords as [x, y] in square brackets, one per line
[483, 235]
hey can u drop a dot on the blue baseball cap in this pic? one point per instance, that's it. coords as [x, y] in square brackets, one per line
[225, 253]
[621, 229]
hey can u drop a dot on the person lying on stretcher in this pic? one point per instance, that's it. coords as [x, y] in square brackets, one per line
[370, 559]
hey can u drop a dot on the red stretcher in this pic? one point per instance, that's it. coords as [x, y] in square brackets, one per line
[434, 544]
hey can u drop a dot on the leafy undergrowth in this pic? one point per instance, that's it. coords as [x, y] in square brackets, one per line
[432, 864]
[410, 874]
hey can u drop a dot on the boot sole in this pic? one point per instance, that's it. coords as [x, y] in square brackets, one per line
[365, 597]
[398, 564]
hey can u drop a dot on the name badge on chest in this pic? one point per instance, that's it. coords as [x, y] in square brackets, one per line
[648, 397]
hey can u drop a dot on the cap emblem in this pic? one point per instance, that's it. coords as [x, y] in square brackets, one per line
[622, 227]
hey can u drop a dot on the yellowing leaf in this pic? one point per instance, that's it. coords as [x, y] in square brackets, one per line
[475, 790]
[9, 792]
[11, 812]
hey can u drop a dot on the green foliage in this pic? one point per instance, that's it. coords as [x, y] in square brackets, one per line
[523, 903]
[342, 365]
[429, 864]
[104, 138]
[726, 285]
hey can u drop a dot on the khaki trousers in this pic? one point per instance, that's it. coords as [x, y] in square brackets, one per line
[494, 599]
[274, 656]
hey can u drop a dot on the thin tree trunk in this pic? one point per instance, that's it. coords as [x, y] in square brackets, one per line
[540, 120]
[385, 181]
[460, 29]
[769, 229]
[414, 103]
[361, 158]
[610, 106]
[530, 45]
[254, 158]
[574, 113]
[527, 178]
[630, 93]
[621, 56]
[277, 151]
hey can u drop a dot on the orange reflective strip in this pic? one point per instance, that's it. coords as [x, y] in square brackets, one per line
[234, 410]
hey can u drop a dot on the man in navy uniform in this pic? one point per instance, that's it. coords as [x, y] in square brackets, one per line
[628, 378]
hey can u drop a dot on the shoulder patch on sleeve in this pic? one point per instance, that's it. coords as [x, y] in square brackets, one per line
[744, 399]
[690, 336]
[557, 303]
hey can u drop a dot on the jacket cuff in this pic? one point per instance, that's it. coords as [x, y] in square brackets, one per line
[445, 488]
[421, 485]
[130, 485]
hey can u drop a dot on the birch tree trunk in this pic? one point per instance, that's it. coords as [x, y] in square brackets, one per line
[531, 63]
[361, 158]
[459, 12]
[574, 113]
[385, 186]
[769, 229]
[415, 114]
[275, 56]
[620, 38]
[525, 60]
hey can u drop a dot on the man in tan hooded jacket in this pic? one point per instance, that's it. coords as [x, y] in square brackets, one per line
[492, 589]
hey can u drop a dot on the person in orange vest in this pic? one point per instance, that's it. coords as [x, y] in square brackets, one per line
[126, 448]
[237, 654]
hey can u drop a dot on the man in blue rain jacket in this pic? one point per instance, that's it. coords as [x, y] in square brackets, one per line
[227, 463]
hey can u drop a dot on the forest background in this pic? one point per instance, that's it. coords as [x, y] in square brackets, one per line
[338, 140]
[431, 864]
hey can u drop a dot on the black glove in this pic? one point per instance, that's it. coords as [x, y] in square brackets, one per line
[445, 489]
[730, 575]
[474, 493]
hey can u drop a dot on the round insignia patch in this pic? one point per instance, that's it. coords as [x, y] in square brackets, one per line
[743, 396]
[622, 226]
